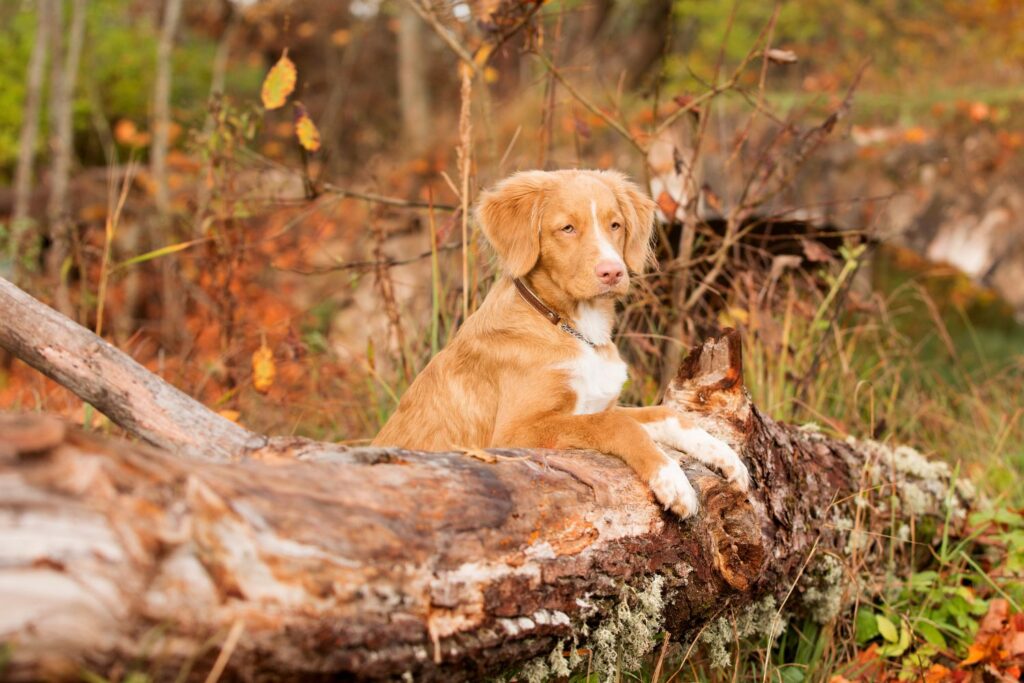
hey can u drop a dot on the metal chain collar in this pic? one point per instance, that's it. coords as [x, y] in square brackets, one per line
[566, 327]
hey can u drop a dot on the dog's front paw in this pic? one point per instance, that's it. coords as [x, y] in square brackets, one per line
[738, 474]
[716, 453]
[674, 491]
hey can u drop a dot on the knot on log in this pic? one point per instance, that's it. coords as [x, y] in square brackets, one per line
[733, 532]
[709, 388]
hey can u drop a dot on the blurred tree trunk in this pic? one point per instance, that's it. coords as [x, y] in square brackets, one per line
[64, 76]
[653, 26]
[413, 95]
[23, 175]
[343, 60]
[173, 308]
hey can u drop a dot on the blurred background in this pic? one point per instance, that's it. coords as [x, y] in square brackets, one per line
[265, 201]
[841, 181]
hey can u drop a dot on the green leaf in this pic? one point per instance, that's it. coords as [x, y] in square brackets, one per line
[790, 674]
[866, 626]
[930, 633]
[923, 580]
[157, 253]
[898, 648]
[887, 628]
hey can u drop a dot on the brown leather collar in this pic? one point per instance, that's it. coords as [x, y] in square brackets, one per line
[532, 299]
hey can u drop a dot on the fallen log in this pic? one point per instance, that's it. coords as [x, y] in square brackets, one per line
[305, 560]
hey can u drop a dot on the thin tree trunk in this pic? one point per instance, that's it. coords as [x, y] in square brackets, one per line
[309, 560]
[162, 105]
[413, 93]
[21, 223]
[59, 213]
[173, 305]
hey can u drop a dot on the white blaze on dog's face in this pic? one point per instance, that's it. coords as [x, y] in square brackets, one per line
[584, 230]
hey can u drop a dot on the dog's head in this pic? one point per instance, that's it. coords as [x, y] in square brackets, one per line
[584, 229]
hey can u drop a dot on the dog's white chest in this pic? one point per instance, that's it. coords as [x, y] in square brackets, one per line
[595, 379]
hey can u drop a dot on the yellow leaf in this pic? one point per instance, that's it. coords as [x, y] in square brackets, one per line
[229, 414]
[732, 316]
[887, 628]
[263, 369]
[305, 129]
[483, 54]
[279, 83]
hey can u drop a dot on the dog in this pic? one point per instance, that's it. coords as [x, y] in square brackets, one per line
[535, 365]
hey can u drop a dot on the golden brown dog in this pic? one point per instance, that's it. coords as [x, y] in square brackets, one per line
[535, 366]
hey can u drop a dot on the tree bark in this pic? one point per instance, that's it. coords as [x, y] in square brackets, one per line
[413, 94]
[113, 383]
[307, 560]
[64, 76]
[29, 136]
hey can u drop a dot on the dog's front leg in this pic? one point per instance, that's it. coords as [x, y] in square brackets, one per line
[668, 427]
[616, 434]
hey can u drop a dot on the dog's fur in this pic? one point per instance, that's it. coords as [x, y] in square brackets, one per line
[511, 378]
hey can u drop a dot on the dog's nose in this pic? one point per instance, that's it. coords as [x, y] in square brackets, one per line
[610, 272]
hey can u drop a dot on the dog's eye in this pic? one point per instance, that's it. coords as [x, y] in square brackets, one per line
[568, 229]
[616, 226]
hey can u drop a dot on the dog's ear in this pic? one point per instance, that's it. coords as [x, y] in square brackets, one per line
[638, 210]
[509, 215]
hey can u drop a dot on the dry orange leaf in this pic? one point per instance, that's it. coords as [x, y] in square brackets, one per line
[667, 204]
[279, 83]
[937, 674]
[263, 369]
[983, 649]
[305, 129]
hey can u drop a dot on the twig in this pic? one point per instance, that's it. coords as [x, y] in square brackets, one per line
[591, 107]
[656, 676]
[328, 188]
[369, 265]
[444, 34]
[226, 651]
[465, 162]
[505, 37]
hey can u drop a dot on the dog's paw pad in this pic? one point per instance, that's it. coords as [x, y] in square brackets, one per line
[674, 491]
